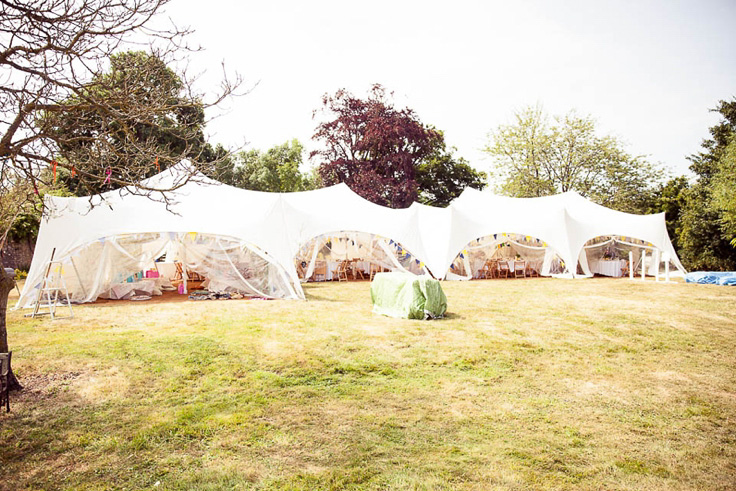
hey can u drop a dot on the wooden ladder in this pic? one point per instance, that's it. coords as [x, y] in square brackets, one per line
[52, 288]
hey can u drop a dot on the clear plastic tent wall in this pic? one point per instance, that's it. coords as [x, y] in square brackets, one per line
[369, 252]
[124, 232]
[641, 254]
[534, 252]
[274, 227]
[92, 271]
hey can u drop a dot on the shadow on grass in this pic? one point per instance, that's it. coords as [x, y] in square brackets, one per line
[311, 296]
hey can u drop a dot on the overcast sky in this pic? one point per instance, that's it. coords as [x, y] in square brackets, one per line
[647, 71]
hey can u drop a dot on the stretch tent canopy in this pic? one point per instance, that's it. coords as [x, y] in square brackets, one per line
[216, 227]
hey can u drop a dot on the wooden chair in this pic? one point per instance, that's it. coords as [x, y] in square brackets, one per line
[493, 268]
[625, 269]
[532, 270]
[375, 269]
[320, 271]
[503, 269]
[342, 271]
[194, 279]
[5, 380]
[485, 271]
[356, 270]
[519, 269]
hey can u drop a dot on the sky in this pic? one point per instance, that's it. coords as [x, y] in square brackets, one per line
[647, 71]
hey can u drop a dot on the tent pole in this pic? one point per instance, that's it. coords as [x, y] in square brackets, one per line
[631, 265]
[657, 261]
[643, 264]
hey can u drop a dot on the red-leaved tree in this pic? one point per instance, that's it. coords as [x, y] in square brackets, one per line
[372, 147]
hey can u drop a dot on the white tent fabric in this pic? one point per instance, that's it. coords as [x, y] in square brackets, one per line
[273, 227]
[565, 221]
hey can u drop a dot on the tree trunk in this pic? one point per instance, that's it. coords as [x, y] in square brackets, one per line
[6, 285]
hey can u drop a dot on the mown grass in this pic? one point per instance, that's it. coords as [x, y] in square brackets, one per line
[527, 384]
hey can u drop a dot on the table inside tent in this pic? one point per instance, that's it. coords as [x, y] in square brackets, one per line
[333, 265]
[608, 267]
[144, 286]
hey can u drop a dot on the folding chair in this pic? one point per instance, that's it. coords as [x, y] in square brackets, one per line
[342, 271]
[519, 269]
[320, 271]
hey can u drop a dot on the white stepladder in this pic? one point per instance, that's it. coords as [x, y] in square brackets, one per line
[52, 291]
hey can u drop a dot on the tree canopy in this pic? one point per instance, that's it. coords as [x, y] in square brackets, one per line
[378, 151]
[60, 106]
[92, 140]
[537, 156]
[275, 170]
[708, 219]
[442, 177]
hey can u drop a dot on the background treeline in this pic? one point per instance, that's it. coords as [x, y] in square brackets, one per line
[390, 157]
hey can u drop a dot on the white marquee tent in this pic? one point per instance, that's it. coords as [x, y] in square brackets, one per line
[248, 240]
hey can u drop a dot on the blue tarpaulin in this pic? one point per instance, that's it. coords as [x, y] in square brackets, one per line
[711, 277]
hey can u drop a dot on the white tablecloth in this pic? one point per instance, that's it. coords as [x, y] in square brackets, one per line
[608, 268]
[146, 286]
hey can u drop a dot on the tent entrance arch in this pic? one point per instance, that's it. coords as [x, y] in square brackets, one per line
[480, 258]
[615, 255]
[116, 267]
[319, 258]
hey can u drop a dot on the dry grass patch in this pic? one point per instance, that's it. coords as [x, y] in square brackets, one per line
[527, 384]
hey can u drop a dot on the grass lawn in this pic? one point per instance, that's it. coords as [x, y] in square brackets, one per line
[527, 384]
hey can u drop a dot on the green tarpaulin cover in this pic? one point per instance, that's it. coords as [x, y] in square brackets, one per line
[407, 296]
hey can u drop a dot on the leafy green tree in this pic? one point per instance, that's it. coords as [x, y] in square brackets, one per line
[538, 157]
[670, 198]
[708, 216]
[275, 170]
[442, 177]
[153, 141]
[724, 190]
